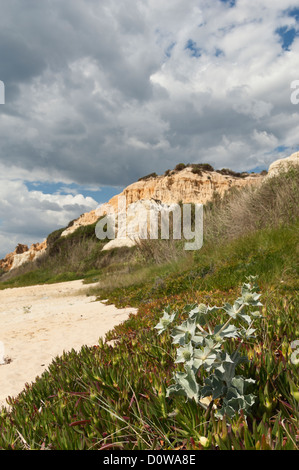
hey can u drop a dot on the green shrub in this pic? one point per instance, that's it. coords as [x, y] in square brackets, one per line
[203, 166]
[272, 204]
[196, 170]
[180, 167]
[151, 175]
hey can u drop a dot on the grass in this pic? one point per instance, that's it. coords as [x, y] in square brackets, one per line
[272, 254]
[114, 396]
[76, 256]
[240, 213]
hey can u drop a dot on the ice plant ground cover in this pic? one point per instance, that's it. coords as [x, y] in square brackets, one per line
[117, 396]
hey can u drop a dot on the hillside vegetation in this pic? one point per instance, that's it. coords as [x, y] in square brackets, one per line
[114, 395]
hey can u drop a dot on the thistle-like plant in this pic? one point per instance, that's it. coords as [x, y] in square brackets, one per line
[203, 347]
[295, 353]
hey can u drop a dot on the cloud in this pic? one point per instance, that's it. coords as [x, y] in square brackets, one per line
[29, 216]
[102, 93]
[107, 83]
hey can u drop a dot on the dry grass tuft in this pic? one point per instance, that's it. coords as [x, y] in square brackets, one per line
[241, 211]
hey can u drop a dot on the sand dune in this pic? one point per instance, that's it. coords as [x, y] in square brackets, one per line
[37, 323]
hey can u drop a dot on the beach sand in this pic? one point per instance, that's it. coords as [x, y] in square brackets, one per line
[38, 323]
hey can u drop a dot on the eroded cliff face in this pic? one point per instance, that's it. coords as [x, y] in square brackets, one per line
[283, 164]
[181, 186]
[22, 254]
[88, 218]
[146, 197]
[178, 186]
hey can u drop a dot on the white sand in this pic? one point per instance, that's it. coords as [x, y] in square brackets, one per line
[38, 323]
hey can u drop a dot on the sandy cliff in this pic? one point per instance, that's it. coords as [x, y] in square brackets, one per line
[183, 186]
[151, 195]
[283, 164]
[22, 254]
[88, 218]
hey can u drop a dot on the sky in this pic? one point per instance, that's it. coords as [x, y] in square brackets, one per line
[99, 93]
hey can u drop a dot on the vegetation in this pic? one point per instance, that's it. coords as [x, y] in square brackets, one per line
[75, 256]
[200, 167]
[147, 177]
[116, 395]
[227, 171]
[180, 167]
[205, 353]
[196, 168]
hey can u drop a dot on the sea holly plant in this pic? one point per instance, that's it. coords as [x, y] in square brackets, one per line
[295, 354]
[203, 348]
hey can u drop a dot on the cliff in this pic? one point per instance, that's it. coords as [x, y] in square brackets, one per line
[88, 218]
[154, 193]
[22, 254]
[283, 164]
[182, 186]
[190, 184]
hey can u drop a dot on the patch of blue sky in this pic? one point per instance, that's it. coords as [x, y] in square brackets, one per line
[281, 148]
[231, 3]
[287, 36]
[282, 151]
[100, 195]
[294, 13]
[193, 48]
[219, 52]
[258, 169]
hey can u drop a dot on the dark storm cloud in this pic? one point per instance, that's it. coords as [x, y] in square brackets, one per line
[102, 92]
[18, 62]
[105, 92]
[45, 49]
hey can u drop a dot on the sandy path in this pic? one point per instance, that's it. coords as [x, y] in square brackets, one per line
[38, 323]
